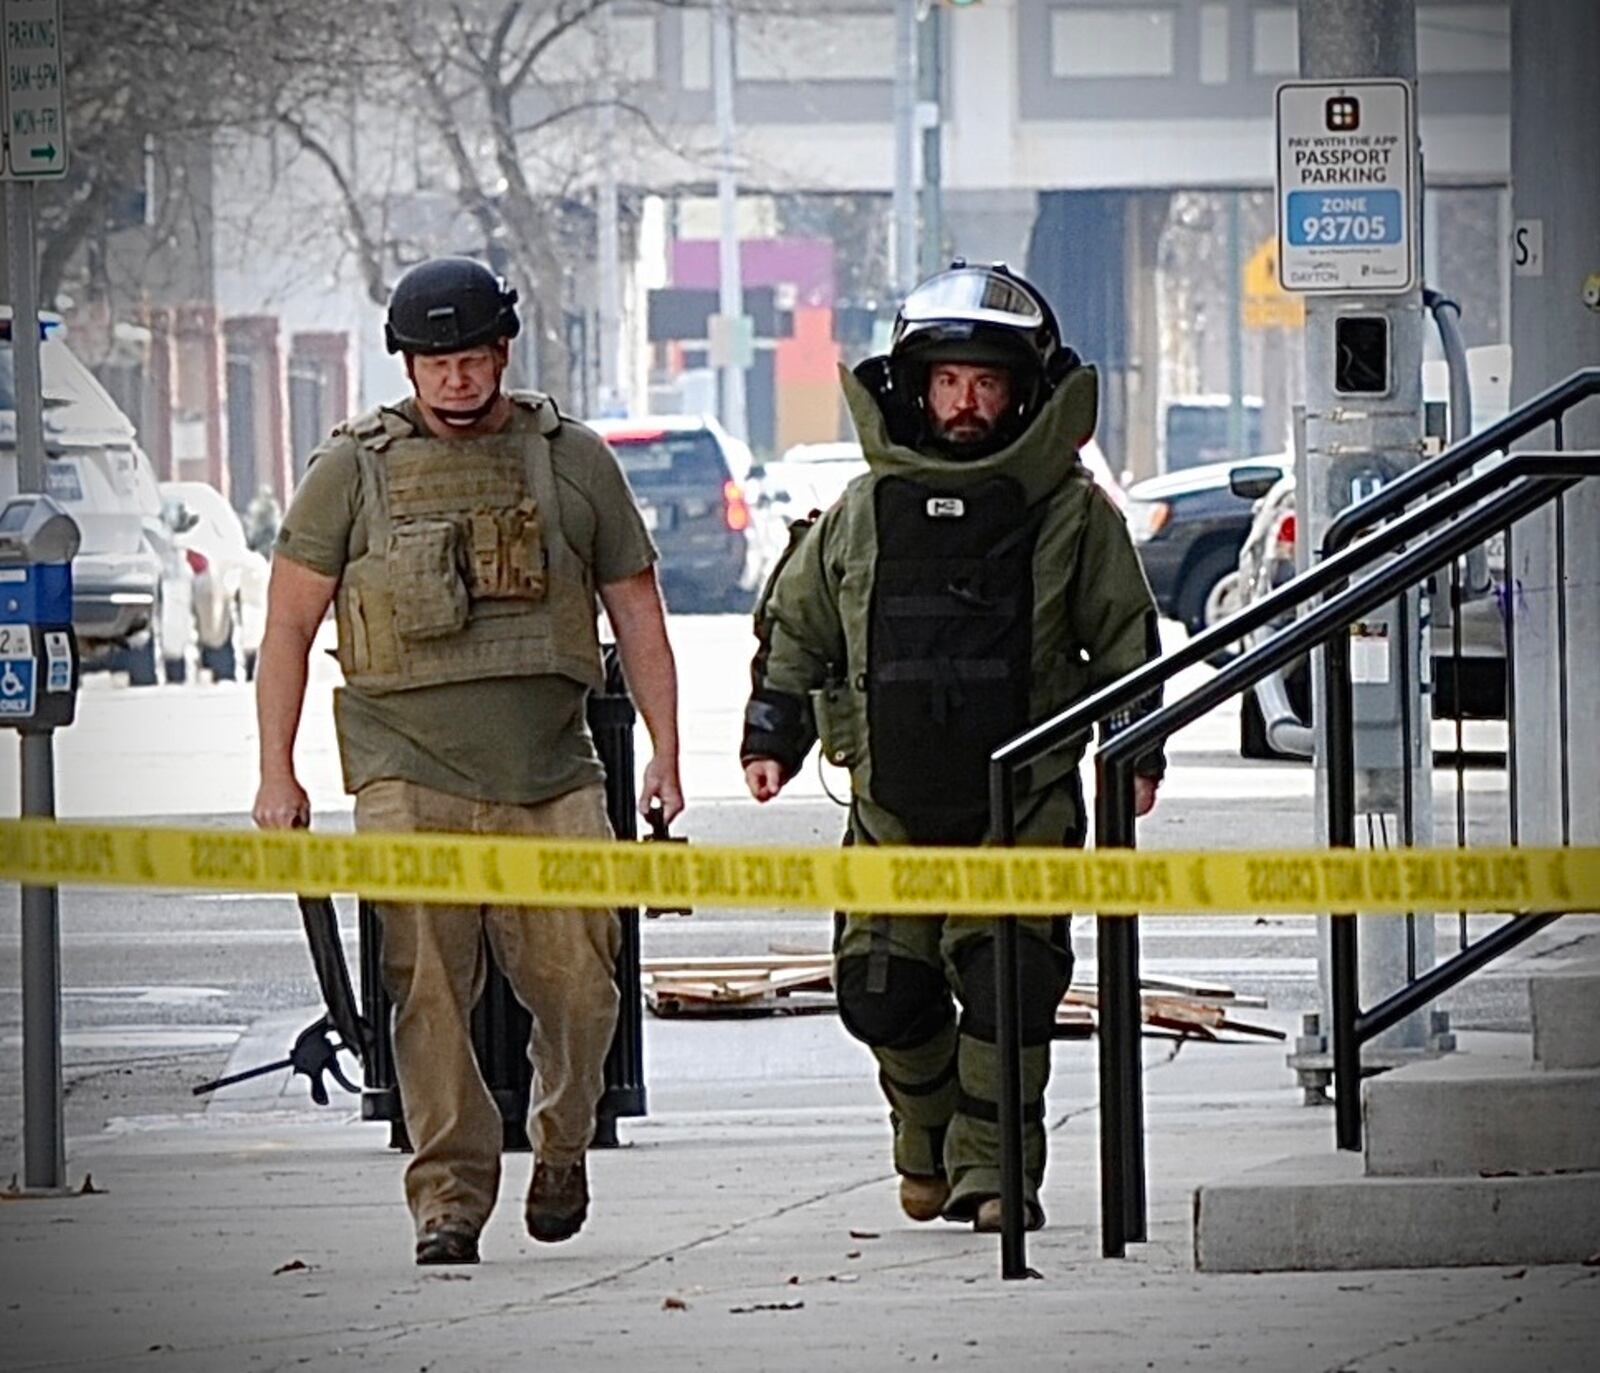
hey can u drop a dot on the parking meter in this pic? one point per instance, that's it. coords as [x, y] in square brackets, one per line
[38, 650]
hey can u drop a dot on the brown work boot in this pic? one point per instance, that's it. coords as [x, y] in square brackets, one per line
[987, 1220]
[446, 1241]
[923, 1198]
[558, 1201]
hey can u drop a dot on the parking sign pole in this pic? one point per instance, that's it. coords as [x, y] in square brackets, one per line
[44, 1166]
[44, 1158]
[1349, 220]
[23, 268]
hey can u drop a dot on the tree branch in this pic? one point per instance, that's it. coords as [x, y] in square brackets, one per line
[369, 250]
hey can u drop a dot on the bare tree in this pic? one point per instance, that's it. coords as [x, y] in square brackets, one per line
[150, 82]
[507, 98]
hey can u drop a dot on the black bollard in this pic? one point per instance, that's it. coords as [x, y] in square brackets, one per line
[500, 1025]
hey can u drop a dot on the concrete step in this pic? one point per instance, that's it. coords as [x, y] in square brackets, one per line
[1320, 1213]
[1566, 1018]
[1475, 1112]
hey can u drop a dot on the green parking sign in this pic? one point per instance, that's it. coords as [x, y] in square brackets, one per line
[34, 90]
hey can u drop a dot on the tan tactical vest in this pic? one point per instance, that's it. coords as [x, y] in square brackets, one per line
[467, 574]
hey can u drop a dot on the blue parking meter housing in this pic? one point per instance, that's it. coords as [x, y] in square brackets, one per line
[38, 649]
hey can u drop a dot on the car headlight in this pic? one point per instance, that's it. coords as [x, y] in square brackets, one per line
[1146, 519]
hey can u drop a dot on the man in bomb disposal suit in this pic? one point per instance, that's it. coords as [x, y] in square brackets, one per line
[462, 536]
[973, 582]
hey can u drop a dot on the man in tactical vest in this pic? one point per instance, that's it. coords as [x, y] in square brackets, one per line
[462, 536]
[974, 581]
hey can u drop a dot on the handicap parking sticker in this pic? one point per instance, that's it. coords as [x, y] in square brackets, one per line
[16, 687]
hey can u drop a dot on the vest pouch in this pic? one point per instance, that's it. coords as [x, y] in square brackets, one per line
[507, 555]
[430, 595]
[838, 723]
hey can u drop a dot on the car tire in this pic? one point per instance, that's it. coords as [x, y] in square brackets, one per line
[176, 669]
[221, 661]
[1253, 729]
[1200, 579]
[143, 663]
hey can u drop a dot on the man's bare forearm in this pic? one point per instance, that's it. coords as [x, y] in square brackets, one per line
[281, 674]
[639, 620]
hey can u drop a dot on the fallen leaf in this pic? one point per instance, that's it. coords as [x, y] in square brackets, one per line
[1515, 1273]
[293, 1266]
[864, 1235]
[89, 1189]
[853, 1254]
[794, 1280]
[766, 1306]
[674, 1304]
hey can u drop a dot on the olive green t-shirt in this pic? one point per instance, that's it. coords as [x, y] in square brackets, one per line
[510, 739]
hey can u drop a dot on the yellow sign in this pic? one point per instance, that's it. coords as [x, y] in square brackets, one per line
[1266, 304]
[897, 880]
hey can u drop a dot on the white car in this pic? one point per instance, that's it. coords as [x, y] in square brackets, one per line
[230, 578]
[172, 649]
[92, 467]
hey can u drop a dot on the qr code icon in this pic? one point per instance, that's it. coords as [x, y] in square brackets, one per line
[1343, 114]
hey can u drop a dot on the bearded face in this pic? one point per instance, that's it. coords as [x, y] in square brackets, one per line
[965, 401]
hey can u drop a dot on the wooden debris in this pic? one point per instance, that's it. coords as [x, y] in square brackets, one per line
[798, 983]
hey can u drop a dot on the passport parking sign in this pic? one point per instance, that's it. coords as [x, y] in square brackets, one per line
[1346, 177]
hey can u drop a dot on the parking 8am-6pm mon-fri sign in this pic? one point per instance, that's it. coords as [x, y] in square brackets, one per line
[33, 93]
[1346, 177]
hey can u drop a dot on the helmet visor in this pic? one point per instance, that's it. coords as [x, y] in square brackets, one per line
[976, 295]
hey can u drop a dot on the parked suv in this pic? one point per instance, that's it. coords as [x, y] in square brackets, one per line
[91, 467]
[689, 475]
[1188, 527]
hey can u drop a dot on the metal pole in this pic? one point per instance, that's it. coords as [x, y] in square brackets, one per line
[44, 1165]
[1345, 950]
[1122, 1189]
[1008, 1031]
[608, 264]
[1235, 332]
[930, 82]
[24, 267]
[1354, 443]
[44, 1159]
[905, 112]
[730, 301]
[1553, 562]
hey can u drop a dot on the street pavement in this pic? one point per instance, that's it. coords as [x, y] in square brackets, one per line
[749, 1221]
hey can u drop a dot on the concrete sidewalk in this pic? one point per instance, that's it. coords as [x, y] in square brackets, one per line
[749, 1222]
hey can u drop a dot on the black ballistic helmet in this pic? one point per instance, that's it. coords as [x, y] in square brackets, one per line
[448, 304]
[982, 315]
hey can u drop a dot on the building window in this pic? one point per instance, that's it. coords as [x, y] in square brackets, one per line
[1463, 38]
[1451, 40]
[1275, 41]
[581, 54]
[1213, 45]
[821, 46]
[1111, 42]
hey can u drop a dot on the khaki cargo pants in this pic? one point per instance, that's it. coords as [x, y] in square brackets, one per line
[559, 963]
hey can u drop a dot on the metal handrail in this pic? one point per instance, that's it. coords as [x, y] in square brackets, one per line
[1535, 480]
[1117, 938]
[1546, 407]
[1537, 411]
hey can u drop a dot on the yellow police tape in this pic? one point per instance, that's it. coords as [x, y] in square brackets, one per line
[908, 881]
